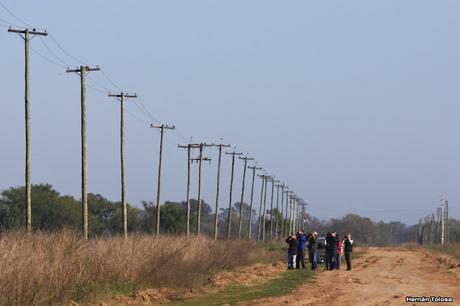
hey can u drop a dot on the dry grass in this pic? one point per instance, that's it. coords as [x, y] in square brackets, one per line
[53, 268]
[452, 249]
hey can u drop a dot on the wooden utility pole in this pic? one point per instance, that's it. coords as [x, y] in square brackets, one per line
[199, 159]
[282, 210]
[259, 224]
[254, 169]
[189, 149]
[240, 224]
[273, 181]
[290, 214]
[277, 209]
[83, 71]
[229, 217]
[286, 225]
[124, 207]
[216, 217]
[162, 128]
[265, 206]
[26, 35]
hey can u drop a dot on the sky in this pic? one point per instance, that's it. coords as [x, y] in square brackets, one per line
[353, 104]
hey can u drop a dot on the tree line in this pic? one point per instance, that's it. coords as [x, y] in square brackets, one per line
[53, 211]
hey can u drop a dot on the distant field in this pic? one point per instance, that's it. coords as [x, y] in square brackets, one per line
[53, 268]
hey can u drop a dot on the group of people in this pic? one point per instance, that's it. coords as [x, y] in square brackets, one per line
[333, 246]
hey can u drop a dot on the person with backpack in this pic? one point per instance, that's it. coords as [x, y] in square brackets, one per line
[348, 249]
[301, 248]
[292, 250]
[313, 250]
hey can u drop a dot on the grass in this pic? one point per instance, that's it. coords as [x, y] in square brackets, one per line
[50, 268]
[449, 249]
[237, 293]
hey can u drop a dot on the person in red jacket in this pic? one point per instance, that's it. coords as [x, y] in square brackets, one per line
[338, 258]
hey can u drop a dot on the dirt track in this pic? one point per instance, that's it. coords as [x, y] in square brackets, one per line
[381, 277]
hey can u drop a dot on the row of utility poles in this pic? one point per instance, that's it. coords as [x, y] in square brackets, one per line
[292, 202]
[434, 228]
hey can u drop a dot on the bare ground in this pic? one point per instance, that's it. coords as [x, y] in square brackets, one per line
[384, 276]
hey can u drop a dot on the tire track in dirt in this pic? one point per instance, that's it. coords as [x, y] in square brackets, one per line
[383, 276]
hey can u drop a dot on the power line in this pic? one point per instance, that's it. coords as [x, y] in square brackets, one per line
[47, 59]
[13, 15]
[9, 23]
[65, 52]
[110, 80]
[53, 54]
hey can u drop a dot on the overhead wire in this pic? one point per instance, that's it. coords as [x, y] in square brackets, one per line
[46, 58]
[13, 15]
[110, 80]
[65, 51]
[64, 64]
[52, 53]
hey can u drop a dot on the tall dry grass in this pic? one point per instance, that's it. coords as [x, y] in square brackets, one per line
[52, 268]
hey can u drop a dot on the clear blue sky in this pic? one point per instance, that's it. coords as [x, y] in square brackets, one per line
[355, 104]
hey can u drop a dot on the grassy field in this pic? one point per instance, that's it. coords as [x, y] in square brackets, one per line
[236, 293]
[54, 268]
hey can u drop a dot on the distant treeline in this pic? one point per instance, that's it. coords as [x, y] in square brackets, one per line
[53, 211]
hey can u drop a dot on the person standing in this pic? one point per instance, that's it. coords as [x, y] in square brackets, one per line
[338, 258]
[312, 250]
[302, 245]
[331, 250]
[348, 249]
[327, 251]
[292, 250]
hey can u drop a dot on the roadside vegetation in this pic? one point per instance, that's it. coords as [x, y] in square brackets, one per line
[49, 268]
[287, 282]
[449, 249]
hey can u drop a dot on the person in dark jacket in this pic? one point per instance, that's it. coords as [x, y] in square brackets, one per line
[327, 251]
[348, 249]
[292, 250]
[312, 250]
[301, 248]
[331, 250]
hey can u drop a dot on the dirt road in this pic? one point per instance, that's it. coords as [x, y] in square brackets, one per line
[381, 277]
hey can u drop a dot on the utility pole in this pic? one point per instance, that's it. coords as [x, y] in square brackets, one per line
[189, 149]
[282, 210]
[162, 128]
[259, 223]
[287, 224]
[301, 205]
[82, 71]
[216, 217]
[199, 159]
[277, 209]
[265, 206]
[26, 34]
[291, 212]
[240, 224]
[254, 169]
[124, 209]
[229, 218]
[273, 181]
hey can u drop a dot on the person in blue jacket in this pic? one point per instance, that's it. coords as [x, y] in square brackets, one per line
[301, 248]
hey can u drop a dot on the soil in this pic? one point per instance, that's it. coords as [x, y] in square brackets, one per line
[383, 276]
